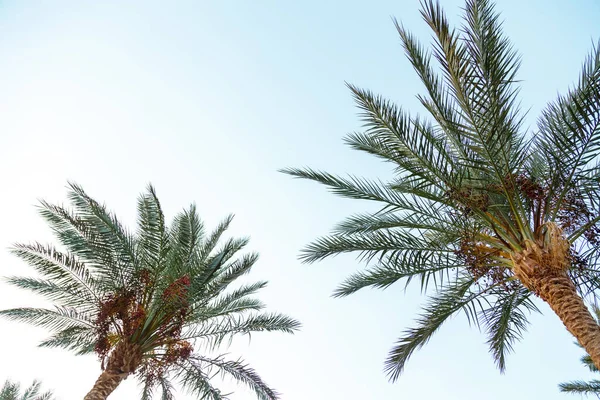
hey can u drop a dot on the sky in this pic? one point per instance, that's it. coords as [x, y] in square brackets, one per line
[207, 100]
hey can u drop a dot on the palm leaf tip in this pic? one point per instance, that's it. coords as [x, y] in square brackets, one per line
[581, 387]
[506, 322]
[241, 372]
[275, 322]
[451, 299]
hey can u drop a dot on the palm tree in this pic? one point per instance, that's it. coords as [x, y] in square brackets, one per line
[581, 387]
[148, 302]
[479, 210]
[12, 391]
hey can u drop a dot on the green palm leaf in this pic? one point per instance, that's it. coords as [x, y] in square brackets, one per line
[12, 391]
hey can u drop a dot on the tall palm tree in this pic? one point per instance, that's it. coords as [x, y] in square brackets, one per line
[581, 387]
[479, 210]
[12, 391]
[155, 303]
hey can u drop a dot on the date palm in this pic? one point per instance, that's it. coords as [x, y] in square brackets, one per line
[156, 303]
[12, 391]
[485, 214]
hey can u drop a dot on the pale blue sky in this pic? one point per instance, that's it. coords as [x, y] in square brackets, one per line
[207, 100]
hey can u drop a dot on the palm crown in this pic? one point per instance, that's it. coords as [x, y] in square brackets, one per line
[479, 210]
[147, 302]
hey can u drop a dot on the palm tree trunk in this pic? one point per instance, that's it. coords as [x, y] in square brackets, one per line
[543, 268]
[122, 362]
[562, 297]
[105, 385]
[556, 288]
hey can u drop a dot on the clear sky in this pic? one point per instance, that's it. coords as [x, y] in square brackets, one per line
[207, 100]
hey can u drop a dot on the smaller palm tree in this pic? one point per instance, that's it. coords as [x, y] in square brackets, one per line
[582, 387]
[12, 391]
[156, 303]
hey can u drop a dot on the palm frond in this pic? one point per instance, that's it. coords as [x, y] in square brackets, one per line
[440, 104]
[107, 227]
[32, 392]
[218, 261]
[453, 298]
[59, 294]
[388, 220]
[166, 389]
[230, 273]
[197, 381]
[60, 269]
[353, 187]
[186, 234]
[409, 143]
[378, 191]
[569, 130]
[82, 240]
[587, 361]
[152, 384]
[236, 301]
[240, 371]
[214, 332]
[80, 339]
[76, 235]
[152, 241]
[580, 387]
[211, 241]
[12, 391]
[53, 320]
[226, 251]
[424, 264]
[371, 245]
[505, 321]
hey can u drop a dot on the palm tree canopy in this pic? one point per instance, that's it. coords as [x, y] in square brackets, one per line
[12, 391]
[473, 193]
[165, 289]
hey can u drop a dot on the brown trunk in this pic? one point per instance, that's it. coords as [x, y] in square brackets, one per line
[562, 297]
[122, 362]
[104, 386]
[542, 267]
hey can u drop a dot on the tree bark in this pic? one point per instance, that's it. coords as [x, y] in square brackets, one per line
[123, 361]
[561, 295]
[544, 271]
[104, 386]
